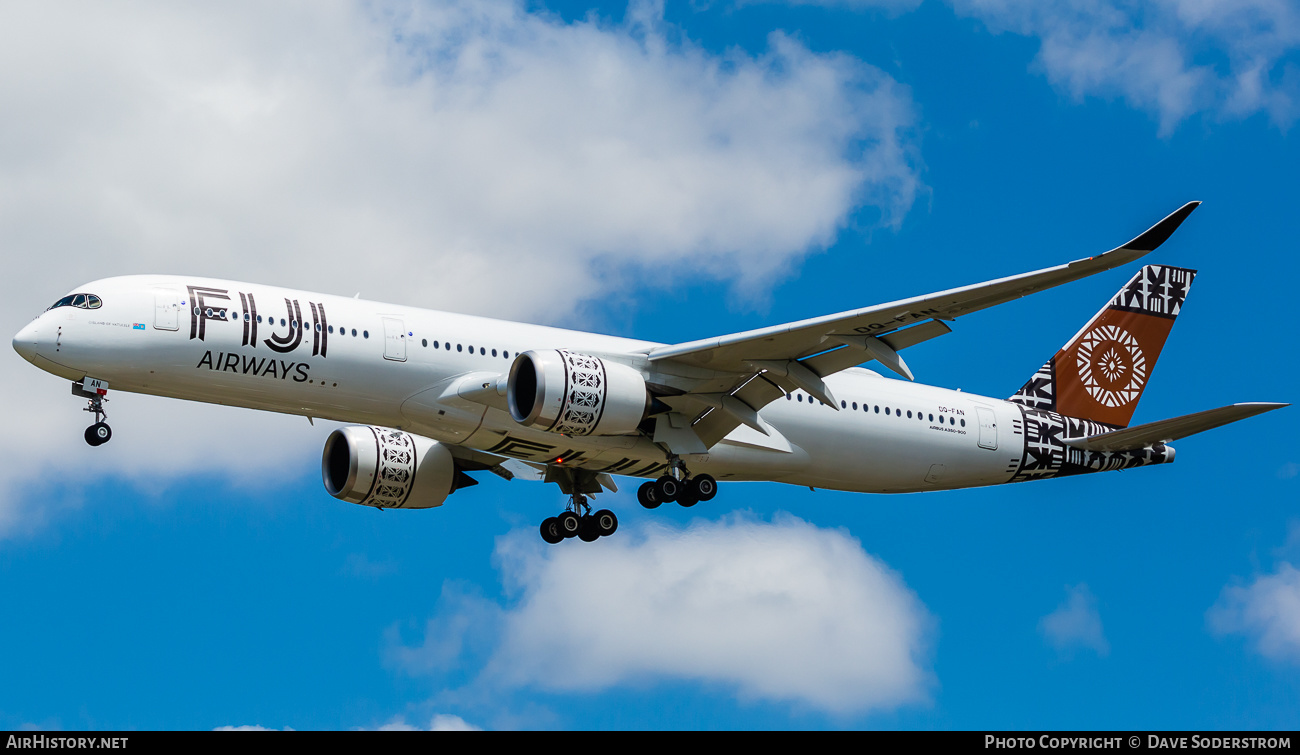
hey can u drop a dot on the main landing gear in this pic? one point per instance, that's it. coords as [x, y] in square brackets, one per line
[99, 433]
[577, 520]
[586, 526]
[678, 485]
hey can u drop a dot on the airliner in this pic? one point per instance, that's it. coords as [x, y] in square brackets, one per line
[431, 397]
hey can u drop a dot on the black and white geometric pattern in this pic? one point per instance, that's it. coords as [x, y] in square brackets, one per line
[1046, 456]
[584, 394]
[1040, 391]
[1156, 290]
[396, 472]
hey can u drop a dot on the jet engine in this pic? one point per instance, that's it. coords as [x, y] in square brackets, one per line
[576, 394]
[385, 468]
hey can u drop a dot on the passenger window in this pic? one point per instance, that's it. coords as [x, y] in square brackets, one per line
[458, 347]
[886, 410]
[365, 333]
[354, 332]
[843, 404]
[424, 342]
[909, 413]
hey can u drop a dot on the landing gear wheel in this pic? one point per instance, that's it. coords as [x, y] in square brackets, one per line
[687, 499]
[648, 495]
[551, 530]
[568, 524]
[703, 487]
[606, 522]
[668, 488]
[587, 531]
[98, 434]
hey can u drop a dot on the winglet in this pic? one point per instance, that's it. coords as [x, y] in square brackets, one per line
[1160, 232]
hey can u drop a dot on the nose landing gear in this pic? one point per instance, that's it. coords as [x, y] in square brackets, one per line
[99, 433]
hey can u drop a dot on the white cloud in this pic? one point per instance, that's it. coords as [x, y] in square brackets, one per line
[1267, 611]
[440, 722]
[409, 151]
[1173, 58]
[781, 611]
[890, 7]
[248, 727]
[1075, 624]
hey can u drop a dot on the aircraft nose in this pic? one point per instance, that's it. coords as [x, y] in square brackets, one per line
[26, 341]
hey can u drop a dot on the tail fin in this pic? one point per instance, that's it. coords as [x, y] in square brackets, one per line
[1101, 373]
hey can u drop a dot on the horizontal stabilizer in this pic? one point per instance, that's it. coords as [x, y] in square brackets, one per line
[1167, 430]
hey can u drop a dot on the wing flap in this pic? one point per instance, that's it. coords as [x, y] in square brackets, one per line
[1167, 430]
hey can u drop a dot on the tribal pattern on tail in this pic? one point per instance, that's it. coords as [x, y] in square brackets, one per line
[1101, 373]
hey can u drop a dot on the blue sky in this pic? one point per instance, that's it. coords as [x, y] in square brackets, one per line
[666, 173]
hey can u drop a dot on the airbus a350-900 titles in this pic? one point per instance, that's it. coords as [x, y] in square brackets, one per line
[434, 395]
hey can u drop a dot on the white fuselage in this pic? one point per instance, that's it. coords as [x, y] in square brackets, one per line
[406, 368]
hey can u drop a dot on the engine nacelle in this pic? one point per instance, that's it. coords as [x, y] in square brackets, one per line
[385, 468]
[576, 394]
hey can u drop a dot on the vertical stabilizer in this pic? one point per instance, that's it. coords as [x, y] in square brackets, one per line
[1101, 373]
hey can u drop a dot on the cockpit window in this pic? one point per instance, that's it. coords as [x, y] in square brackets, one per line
[82, 301]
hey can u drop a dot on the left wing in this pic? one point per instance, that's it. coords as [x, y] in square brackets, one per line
[769, 362]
